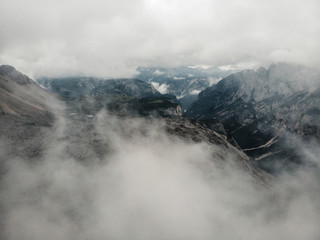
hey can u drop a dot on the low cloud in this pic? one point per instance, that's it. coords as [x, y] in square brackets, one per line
[110, 39]
[151, 186]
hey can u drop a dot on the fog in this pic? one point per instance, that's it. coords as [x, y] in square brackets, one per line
[151, 186]
[112, 38]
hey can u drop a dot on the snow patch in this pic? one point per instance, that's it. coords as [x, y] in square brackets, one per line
[179, 78]
[239, 66]
[213, 80]
[192, 81]
[195, 92]
[181, 96]
[199, 66]
[163, 88]
[157, 72]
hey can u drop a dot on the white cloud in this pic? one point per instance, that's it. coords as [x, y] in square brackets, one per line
[108, 38]
[157, 72]
[151, 186]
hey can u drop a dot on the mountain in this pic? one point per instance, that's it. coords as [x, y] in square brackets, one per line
[33, 119]
[121, 96]
[260, 108]
[82, 86]
[183, 82]
[255, 110]
[24, 112]
[21, 96]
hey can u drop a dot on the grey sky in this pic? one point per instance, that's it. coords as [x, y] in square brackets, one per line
[111, 38]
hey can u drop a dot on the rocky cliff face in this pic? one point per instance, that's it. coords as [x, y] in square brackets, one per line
[259, 109]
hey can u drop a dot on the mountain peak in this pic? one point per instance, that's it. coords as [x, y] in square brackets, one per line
[10, 72]
[6, 69]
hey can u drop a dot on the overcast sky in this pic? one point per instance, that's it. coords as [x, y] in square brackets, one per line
[111, 38]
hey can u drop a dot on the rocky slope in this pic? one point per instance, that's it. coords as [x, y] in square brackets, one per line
[21, 96]
[24, 113]
[260, 108]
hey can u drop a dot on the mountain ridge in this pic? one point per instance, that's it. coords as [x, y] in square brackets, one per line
[83, 141]
[258, 107]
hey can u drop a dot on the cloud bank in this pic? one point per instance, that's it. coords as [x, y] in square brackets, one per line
[151, 186]
[112, 38]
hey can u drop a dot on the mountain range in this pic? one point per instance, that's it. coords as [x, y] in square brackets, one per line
[78, 146]
[266, 114]
[31, 115]
[183, 82]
